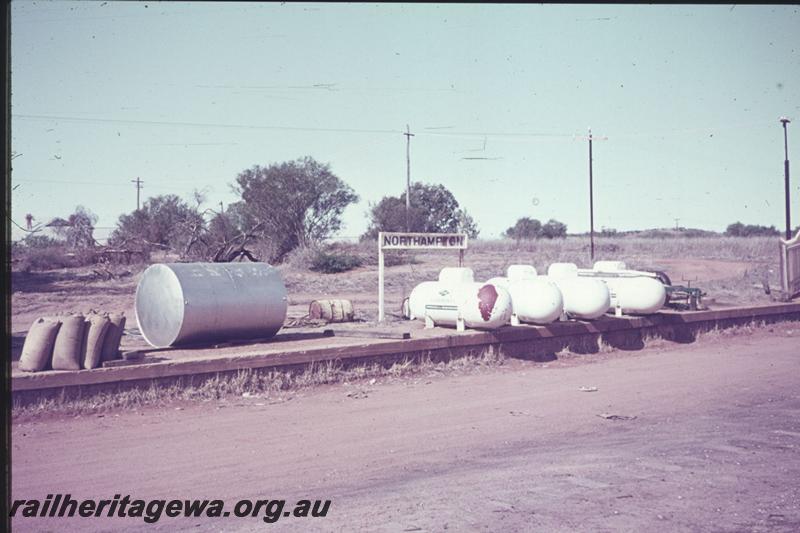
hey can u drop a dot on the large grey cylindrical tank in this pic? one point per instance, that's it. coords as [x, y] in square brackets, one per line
[179, 303]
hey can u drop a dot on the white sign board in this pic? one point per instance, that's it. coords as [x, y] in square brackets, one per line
[790, 266]
[415, 241]
[422, 241]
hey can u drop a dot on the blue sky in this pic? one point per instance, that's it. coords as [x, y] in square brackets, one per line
[187, 95]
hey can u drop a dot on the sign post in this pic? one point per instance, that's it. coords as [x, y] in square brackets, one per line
[415, 241]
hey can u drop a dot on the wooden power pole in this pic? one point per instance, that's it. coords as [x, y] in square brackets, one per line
[138, 183]
[591, 138]
[408, 135]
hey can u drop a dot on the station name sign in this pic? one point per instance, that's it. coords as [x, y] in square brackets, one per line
[421, 241]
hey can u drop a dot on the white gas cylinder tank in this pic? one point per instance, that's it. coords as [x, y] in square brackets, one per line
[636, 296]
[631, 291]
[534, 299]
[457, 297]
[584, 298]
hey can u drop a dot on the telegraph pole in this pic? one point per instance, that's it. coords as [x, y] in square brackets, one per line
[408, 135]
[785, 121]
[590, 138]
[138, 183]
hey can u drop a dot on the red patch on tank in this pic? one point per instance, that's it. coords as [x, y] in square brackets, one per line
[487, 296]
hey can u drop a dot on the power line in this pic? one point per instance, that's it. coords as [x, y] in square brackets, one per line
[287, 128]
[519, 136]
[724, 128]
[70, 183]
[199, 124]
[22, 181]
[495, 135]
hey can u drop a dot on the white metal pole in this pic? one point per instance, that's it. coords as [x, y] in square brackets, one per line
[380, 277]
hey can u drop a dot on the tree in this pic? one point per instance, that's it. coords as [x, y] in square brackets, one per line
[734, 230]
[434, 209]
[554, 229]
[78, 229]
[466, 224]
[165, 222]
[524, 228]
[295, 203]
[530, 228]
[737, 229]
[222, 228]
[229, 234]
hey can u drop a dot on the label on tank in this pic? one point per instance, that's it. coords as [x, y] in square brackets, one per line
[442, 307]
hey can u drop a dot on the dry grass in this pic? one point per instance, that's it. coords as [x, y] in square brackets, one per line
[636, 251]
[272, 386]
[717, 333]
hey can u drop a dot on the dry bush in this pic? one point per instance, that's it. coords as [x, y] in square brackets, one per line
[49, 258]
[300, 259]
[52, 257]
[368, 250]
[334, 262]
[326, 259]
[311, 258]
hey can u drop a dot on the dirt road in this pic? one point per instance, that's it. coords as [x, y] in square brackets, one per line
[707, 439]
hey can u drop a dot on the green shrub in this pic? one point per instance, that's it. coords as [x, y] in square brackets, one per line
[554, 229]
[343, 256]
[738, 229]
[47, 258]
[332, 263]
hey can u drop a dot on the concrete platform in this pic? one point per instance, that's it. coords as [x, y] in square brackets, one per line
[358, 343]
